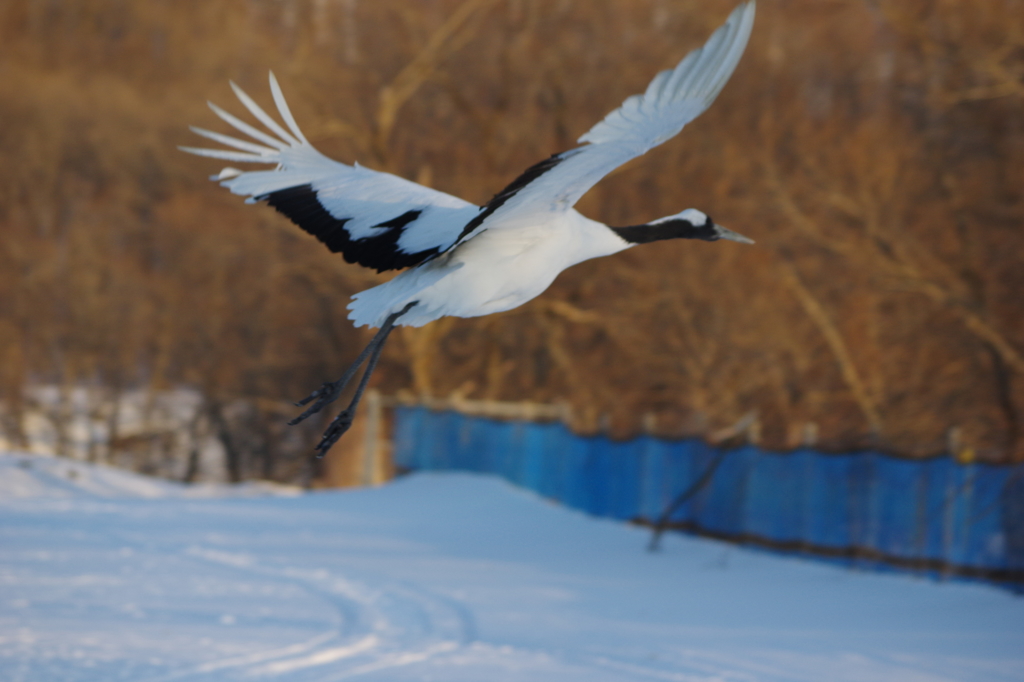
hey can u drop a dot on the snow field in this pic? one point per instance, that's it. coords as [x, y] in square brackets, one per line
[105, 575]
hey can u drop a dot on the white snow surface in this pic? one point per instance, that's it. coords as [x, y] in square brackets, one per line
[105, 576]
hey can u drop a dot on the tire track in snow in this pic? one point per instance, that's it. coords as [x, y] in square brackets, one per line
[381, 625]
[243, 661]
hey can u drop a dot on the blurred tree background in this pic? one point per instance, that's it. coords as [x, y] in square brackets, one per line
[873, 148]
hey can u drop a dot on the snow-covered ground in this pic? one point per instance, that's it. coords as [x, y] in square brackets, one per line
[105, 575]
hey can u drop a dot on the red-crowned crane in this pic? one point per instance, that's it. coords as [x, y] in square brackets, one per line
[461, 259]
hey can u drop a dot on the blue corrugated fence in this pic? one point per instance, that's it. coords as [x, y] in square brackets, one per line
[933, 515]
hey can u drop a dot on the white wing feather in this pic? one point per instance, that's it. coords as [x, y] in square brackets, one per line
[674, 98]
[364, 197]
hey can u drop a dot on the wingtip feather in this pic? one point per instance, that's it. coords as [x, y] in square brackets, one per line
[263, 116]
[225, 155]
[233, 142]
[241, 126]
[282, 108]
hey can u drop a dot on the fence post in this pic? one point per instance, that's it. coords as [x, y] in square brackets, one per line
[372, 436]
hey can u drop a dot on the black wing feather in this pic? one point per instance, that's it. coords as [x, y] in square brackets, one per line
[381, 252]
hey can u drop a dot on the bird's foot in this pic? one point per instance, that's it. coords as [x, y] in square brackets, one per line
[324, 396]
[336, 430]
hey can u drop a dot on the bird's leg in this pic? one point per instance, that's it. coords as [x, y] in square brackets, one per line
[340, 424]
[329, 392]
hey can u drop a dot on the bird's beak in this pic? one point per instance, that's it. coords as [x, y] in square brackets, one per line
[732, 236]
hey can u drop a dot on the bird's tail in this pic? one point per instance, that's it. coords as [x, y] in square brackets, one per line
[297, 161]
[371, 307]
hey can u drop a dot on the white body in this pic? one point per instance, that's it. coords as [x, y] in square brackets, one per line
[466, 260]
[495, 271]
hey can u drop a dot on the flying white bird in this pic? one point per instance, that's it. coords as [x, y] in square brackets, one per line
[461, 259]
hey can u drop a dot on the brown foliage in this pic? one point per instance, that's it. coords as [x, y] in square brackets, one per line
[874, 149]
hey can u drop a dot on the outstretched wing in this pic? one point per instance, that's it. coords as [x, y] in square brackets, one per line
[375, 219]
[674, 98]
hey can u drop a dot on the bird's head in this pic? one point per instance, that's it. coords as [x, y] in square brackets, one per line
[690, 224]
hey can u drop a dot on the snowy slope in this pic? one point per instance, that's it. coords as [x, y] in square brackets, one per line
[108, 576]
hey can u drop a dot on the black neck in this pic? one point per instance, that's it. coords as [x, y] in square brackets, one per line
[675, 228]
